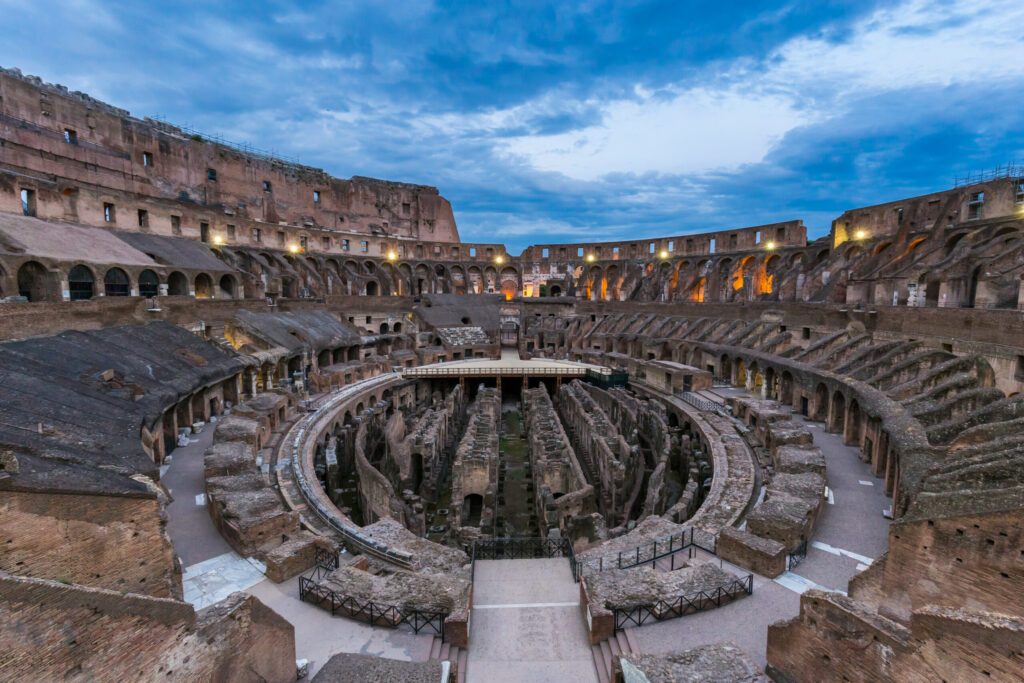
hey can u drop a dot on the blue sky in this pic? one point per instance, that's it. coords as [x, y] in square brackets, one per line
[572, 122]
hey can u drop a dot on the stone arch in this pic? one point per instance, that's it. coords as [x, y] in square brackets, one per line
[81, 283]
[854, 424]
[227, 286]
[372, 288]
[821, 402]
[837, 422]
[786, 388]
[149, 283]
[116, 283]
[204, 286]
[32, 281]
[177, 284]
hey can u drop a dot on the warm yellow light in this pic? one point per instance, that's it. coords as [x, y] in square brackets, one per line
[218, 240]
[663, 254]
[591, 258]
[499, 259]
[860, 234]
[294, 248]
[392, 256]
[769, 245]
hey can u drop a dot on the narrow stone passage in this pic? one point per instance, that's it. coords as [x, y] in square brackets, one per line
[527, 624]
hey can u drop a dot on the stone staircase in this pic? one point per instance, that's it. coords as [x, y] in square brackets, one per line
[445, 652]
[604, 653]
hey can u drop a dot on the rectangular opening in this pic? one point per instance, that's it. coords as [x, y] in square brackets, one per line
[406, 208]
[650, 248]
[345, 245]
[615, 252]
[545, 253]
[1019, 371]
[364, 246]
[579, 251]
[711, 246]
[316, 196]
[369, 319]
[671, 245]
[204, 232]
[948, 348]
[143, 218]
[805, 333]
[231, 232]
[733, 240]
[757, 237]
[267, 186]
[489, 252]
[280, 237]
[211, 174]
[70, 136]
[175, 225]
[257, 235]
[780, 233]
[472, 252]
[975, 205]
[109, 212]
[326, 241]
[1019, 191]
[303, 242]
[455, 252]
[147, 159]
[28, 202]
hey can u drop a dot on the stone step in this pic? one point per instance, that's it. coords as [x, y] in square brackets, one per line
[606, 657]
[435, 649]
[634, 647]
[620, 639]
[445, 651]
[602, 675]
[463, 662]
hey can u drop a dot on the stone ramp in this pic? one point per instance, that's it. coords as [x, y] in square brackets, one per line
[528, 624]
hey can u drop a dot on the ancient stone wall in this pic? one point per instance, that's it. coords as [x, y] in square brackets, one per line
[104, 541]
[475, 470]
[53, 631]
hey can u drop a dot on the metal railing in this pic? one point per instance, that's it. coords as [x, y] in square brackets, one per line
[796, 556]
[683, 605]
[313, 591]
[506, 370]
[650, 553]
[527, 548]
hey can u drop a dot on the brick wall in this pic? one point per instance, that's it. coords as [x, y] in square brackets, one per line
[110, 542]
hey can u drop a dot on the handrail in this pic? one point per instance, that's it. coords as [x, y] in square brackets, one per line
[683, 605]
[351, 535]
[376, 614]
[627, 559]
[525, 547]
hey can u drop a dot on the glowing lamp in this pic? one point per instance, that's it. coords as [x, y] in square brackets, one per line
[769, 245]
[294, 248]
[591, 258]
[392, 256]
[860, 234]
[218, 240]
[499, 259]
[663, 254]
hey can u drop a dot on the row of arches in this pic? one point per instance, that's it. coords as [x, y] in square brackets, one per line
[37, 283]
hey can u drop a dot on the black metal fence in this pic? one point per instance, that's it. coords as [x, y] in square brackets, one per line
[683, 605]
[523, 549]
[312, 590]
[797, 555]
[652, 552]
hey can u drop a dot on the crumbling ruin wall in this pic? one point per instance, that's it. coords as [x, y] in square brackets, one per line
[834, 633]
[104, 541]
[562, 490]
[475, 471]
[612, 464]
[56, 631]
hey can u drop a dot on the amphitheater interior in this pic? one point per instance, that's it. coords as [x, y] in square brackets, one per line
[260, 423]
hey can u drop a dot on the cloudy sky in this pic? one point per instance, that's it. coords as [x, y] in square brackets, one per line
[572, 122]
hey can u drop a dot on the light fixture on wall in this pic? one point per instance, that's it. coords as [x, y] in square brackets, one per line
[294, 248]
[663, 254]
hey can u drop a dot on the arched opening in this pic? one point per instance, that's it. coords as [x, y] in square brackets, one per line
[116, 283]
[972, 288]
[32, 281]
[554, 290]
[838, 413]
[149, 283]
[853, 424]
[383, 328]
[372, 288]
[472, 509]
[821, 403]
[177, 284]
[397, 327]
[204, 286]
[289, 287]
[227, 287]
[81, 283]
[786, 388]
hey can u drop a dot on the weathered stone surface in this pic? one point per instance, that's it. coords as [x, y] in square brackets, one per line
[719, 662]
[346, 667]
